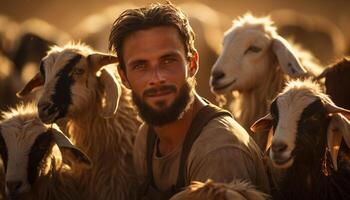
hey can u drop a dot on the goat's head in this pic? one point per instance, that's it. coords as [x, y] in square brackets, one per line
[71, 83]
[27, 146]
[250, 49]
[337, 82]
[303, 121]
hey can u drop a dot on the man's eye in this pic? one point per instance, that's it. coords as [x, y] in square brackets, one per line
[139, 66]
[169, 60]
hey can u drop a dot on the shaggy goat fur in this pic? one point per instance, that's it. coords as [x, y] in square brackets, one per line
[254, 65]
[236, 190]
[20, 127]
[307, 132]
[107, 141]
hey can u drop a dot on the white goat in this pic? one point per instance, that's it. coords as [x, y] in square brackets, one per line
[256, 62]
[32, 162]
[101, 118]
[236, 190]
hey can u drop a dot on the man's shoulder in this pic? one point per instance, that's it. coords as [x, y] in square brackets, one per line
[222, 132]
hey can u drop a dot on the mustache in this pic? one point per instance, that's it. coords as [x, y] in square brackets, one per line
[160, 89]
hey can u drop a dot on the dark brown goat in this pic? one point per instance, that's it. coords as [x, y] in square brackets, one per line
[337, 82]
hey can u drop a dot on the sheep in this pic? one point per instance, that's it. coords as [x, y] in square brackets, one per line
[307, 129]
[315, 32]
[254, 65]
[337, 82]
[33, 165]
[236, 190]
[102, 120]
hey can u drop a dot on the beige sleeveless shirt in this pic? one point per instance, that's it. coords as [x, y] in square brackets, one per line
[224, 151]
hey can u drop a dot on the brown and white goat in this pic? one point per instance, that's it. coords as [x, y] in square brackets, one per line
[101, 118]
[32, 163]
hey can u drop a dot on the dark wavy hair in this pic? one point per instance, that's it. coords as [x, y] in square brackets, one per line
[153, 15]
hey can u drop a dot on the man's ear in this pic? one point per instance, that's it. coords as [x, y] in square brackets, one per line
[123, 77]
[194, 64]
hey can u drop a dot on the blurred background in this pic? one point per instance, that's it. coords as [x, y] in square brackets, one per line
[29, 27]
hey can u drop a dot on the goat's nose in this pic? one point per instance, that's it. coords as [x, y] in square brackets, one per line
[278, 147]
[13, 186]
[218, 75]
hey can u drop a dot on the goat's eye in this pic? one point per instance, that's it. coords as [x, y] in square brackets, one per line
[311, 119]
[253, 49]
[79, 71]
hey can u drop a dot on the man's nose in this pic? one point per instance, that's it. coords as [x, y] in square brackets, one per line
[157, 77]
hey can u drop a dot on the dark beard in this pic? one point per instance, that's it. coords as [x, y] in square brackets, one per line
[174, 112]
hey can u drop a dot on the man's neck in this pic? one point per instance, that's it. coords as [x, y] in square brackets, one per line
[171, 135]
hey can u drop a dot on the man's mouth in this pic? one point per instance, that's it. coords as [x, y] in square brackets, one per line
[159, 93]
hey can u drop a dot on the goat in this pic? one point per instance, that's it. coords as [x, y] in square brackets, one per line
[32, 163]
[255, 64]
[307, 130]
[337, 82]
[102, 120]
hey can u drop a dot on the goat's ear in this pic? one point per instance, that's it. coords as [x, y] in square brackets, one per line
[98, 60]
[112, 91]
[286, 58]
[70, 153]
[338, 129]
[36, 81]
[323, 74]
[332, 108]
[264, 126]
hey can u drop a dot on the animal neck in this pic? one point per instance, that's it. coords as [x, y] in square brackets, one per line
[254, 103]
[91, 127]
[56, 184]
[303, 180]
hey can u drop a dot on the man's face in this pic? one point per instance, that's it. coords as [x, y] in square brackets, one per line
[158, 73]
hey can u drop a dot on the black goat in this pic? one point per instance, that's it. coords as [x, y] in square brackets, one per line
[337, 82]
[307, 132]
